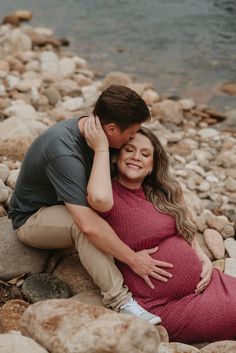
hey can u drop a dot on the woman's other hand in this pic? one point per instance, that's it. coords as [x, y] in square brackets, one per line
[206, 274]
[94, 134]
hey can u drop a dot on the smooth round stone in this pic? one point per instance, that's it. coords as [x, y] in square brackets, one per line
[44, 286]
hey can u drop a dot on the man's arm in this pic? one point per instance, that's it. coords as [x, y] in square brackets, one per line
[99, 232]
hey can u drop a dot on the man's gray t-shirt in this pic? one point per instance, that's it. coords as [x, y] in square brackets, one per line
[55, 171]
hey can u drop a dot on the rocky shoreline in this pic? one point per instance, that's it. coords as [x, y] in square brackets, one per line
[42, 84]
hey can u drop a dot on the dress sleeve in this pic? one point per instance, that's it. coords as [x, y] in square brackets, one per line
[68, 177]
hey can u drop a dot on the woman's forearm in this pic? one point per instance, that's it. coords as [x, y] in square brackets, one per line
[99, 189]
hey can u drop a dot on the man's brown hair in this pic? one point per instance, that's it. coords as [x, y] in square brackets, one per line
[122, 106]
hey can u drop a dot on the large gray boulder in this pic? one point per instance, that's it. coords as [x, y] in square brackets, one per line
[17, 258]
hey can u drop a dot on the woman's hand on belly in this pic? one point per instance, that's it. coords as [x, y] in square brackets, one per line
[206, 274]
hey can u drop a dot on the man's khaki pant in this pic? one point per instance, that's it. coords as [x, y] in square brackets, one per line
[53, 228]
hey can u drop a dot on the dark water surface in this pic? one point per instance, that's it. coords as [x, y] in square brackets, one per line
[184, 47]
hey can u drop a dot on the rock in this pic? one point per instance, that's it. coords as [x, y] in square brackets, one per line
[92, 297]
[193, 202]
[230, 184]
[11, 313]
[150, 96]
[169, 111]
[11, 180]
[71, 326]
[67, 88]
[23, 15]
[11, 19]
[20, 41]
[208, 133]
[229, 88]
[219, 264]
[230, 267]
[67, 67]
[175, 347]
[17, 134]
[215, 243]
[227, 231]
[187, 104]
[4, 68]
[27, 84]
[49, 62]
[29, 260]
[21, 111]
[44, 286]
[116, 78]
[16, 343]
[3, 192]
[220, 347]
[53, 95]
[3, 212]
[217, 222]
[230, 246]
[4, 172]
[73, 104]
[202, 243]
[181, 149]
[71, 271]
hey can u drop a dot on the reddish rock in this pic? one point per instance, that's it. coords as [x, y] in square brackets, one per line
[11, 313]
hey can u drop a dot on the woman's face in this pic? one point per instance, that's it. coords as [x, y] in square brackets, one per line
[135, 160]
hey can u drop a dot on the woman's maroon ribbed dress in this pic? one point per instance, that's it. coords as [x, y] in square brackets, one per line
[188, 317]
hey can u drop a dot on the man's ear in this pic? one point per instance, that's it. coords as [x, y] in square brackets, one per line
[110, 129]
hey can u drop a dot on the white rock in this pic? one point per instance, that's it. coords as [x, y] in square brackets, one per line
[80, 62]
[204, 186]
[16, 343]
[67, 67]
[11, 180]
[12, 81]
[187, 104]
[73, 104]
[208, 133]
[90, 94]
[20, 41]
[2, 91]
[49, 62]
[230, 184]
[21, 111]
[4, 172]
[27, 84]
[230, 246]
[230, 267]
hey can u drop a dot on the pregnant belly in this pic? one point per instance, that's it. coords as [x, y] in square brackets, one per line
[185, 273]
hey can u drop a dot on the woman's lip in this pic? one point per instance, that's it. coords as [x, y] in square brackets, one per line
[133, 165]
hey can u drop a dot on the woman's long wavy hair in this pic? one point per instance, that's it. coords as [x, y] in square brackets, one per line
[165, 192]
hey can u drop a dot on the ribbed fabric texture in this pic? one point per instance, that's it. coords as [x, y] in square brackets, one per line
[187, 316]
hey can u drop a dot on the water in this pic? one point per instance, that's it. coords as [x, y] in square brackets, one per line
[184, 47]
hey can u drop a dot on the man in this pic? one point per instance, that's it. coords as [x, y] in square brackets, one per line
[49, 207]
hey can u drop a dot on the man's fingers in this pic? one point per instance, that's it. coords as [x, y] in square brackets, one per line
[162, 264]
[152, 251]
[159, 277]
[161, 272]
[148, 281]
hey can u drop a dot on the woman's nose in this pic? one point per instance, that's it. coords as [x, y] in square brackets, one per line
[136, 155]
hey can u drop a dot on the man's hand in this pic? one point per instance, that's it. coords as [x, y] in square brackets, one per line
[206, 275]
[94, 134]
[146, 266]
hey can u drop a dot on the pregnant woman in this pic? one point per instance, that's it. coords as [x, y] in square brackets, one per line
[145, 207]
